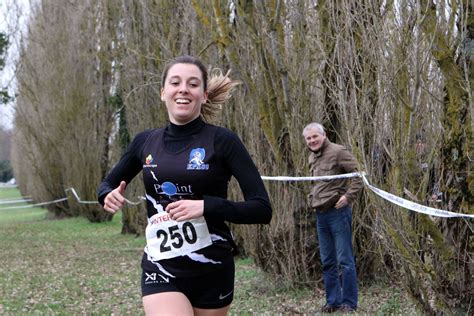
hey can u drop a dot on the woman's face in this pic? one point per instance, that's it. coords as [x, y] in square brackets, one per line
[183, 93]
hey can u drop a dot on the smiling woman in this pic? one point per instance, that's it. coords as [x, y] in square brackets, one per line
[188, 265]
[183, 93]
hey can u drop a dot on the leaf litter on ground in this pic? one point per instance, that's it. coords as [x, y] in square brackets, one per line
[71, 266]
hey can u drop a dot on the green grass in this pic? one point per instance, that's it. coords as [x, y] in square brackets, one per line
[16, 215]
[9, 192]
[72, 267]
[67, 266]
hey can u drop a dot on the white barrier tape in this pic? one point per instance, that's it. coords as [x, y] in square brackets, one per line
[320, 178]
[385, 195]
[141, 198]
[76, 196]
[34, 205]
[412, 205]
[15, 201]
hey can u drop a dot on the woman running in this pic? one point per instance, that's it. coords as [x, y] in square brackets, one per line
[188, 265]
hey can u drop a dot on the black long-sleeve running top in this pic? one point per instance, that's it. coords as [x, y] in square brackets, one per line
[192, 161]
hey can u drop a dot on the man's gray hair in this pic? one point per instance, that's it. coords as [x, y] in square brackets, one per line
[314, 126]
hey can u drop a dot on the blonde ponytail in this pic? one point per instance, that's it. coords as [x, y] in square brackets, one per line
[219, 89]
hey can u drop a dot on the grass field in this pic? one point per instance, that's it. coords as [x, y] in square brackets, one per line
[72, 267]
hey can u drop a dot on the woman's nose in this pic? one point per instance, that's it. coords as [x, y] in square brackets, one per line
[183, 88]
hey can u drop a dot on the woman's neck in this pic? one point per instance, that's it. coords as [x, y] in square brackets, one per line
[185, 129]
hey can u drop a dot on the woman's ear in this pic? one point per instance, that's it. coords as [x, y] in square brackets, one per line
[162, 95]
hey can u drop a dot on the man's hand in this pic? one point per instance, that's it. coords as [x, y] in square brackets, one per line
[341, 202]
[115, 200]
[185, 209]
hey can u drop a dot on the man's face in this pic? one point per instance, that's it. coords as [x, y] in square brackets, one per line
[314, 139]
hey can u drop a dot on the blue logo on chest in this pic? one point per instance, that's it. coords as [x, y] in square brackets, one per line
[196, 159]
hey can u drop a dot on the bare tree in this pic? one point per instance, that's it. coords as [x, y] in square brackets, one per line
[391, 80]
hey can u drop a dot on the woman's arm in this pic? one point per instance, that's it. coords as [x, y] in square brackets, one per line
[126, 169]
[256, 207]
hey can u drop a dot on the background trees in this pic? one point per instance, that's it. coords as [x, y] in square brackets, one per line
[4, 96]
[391, 80]
[6, 171]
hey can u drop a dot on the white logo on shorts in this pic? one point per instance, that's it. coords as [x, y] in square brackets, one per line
[151, 278]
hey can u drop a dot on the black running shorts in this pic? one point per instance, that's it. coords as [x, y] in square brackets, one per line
[212, 290]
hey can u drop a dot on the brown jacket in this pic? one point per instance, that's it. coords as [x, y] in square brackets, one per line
[332, 159]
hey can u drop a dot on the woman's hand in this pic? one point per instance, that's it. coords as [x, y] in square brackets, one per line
[115, 200]
[185, 209]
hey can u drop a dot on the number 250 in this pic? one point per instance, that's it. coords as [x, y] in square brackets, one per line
[188, 232]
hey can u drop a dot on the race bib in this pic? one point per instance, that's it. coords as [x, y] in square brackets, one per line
[167, 238]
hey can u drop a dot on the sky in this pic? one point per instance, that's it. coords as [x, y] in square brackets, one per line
[13, 15]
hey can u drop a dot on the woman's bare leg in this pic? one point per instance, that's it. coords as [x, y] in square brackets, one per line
[167, 303]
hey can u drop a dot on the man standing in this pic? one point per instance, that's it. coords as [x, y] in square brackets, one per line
[332, 201]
